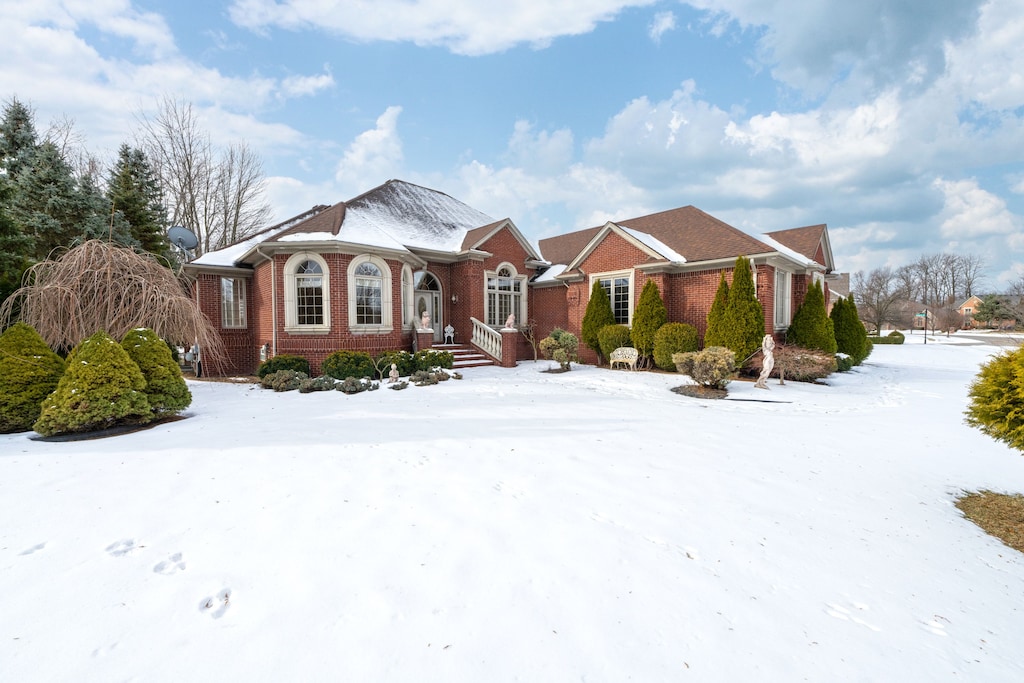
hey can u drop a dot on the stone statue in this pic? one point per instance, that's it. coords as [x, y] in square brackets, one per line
[393, 375]
[767, 345]
[510, 323]
[425, 321]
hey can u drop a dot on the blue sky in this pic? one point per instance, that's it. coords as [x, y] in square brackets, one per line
[899, 124]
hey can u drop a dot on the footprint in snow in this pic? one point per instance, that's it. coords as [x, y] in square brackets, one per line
[123, 547]
[34, 549]
[935, 625]
[844, 614]
[172, 565]
[216, 606]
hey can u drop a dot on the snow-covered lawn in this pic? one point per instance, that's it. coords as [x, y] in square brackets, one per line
[526, 526]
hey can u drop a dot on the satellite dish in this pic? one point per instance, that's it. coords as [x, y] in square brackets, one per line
[183, 238]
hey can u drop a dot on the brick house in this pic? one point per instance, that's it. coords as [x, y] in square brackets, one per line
[361, 274]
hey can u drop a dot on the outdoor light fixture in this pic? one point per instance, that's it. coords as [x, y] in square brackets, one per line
[455, 298]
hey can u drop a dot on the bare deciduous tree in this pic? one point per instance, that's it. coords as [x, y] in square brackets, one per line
[879, 294]
[217, 196]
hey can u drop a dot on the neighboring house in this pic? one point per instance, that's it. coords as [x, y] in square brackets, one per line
[967, 309]
[684, 251]
[361, 274]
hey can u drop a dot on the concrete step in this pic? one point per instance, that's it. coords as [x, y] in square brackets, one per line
[464, 356]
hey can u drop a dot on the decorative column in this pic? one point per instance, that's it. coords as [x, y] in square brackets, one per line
[509, 342]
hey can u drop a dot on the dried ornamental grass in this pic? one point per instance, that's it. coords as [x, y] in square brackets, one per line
[100, 286]
[999, 514]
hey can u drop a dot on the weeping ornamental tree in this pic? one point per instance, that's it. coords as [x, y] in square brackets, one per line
[100, 286]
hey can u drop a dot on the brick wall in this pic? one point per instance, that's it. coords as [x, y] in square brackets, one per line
[239, 351]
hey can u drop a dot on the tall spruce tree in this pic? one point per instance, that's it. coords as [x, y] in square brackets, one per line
[18, 137]
[744, 318]
[598, 314]
[648, 318]
[811, 327]
[714, 334]
[15, 245]
[134, 192]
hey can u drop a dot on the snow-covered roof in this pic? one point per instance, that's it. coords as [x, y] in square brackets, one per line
[791, 253]
[652, 242]
[551, 273]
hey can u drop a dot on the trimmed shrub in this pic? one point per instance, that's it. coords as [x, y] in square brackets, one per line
[811, 327]
[102, 387]
[321, 383]
[612, 337]
[674, 338]
[283, 380]
[997, 399]
[714, 334]
[648, 318]
[894, 337]
[165, 387]
[29, 372]
[356, 385]
[404, 361]
[561, 346]
[598, 315]
[712, 367]
[743, 323]
[344, 364]
[851, 336]
[283, 361]
[844, 363]
[429, 359]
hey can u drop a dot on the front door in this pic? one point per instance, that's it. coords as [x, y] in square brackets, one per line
[430, 302]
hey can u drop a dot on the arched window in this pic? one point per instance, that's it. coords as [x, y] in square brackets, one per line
[504, 289]
[307, 293]
[369, 295]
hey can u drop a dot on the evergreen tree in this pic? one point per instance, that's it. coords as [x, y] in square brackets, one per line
[15, 246]
[165, 388]
[134, 193]
[714, 334]
[851, 336]
[598, 314]
[811, 327]
[18, 138]
[744, 318]
[102, 387]
[29, 371]
[648, 318]
[997, 399]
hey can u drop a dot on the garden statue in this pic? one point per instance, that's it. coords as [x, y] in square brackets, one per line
[767, 344]
[425, 322]
[510, 323]
[393, 375]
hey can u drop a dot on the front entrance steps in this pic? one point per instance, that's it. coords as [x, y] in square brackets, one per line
[465, 356]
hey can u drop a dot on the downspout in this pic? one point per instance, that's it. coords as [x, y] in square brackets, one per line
[273, 302]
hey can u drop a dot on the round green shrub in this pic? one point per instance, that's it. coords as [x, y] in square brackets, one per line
[403, 360]
[344, 363]
[102, 387]
[674, 338]
[997, 399]
[712, 367]
[611, 337]
[428, 359]
[29, 371]
[283, 361]
[165, 387]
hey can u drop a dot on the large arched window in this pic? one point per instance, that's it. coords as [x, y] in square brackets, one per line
[504, 295]
[369, 295]
[307, 294]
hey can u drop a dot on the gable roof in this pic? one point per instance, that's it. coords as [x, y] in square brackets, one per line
[686, 232]
[807, 241]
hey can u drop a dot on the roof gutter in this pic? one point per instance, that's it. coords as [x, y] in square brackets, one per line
[273, 302]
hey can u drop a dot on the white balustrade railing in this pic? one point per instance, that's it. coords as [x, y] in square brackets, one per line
[486, 339]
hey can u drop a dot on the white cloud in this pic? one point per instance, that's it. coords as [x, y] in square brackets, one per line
[662, 23]
[469, 28]
[988, 67]
[970, 212]
[541, 151]
[300, 86]
[373, 157]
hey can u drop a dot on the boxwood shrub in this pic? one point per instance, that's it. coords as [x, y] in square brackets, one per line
[612, 337]
[894, 337]
[344, 364]
[283, 361]
[674, 338]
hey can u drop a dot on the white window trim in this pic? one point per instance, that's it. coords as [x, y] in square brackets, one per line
[522, 313]
[628, 274]
[787, 302]
[290, 294]
[238, 289]
[385, 325]
[408, 296]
